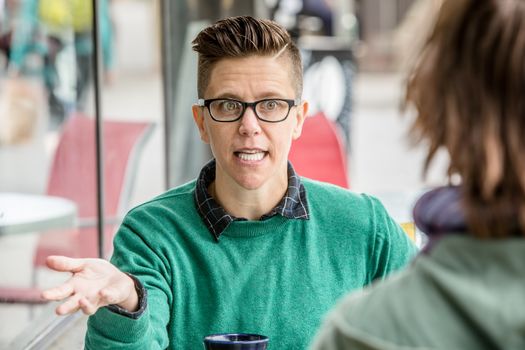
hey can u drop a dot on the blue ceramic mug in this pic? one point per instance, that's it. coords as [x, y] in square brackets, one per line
[235, 341]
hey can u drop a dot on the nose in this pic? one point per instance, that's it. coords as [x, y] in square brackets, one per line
[249, 125]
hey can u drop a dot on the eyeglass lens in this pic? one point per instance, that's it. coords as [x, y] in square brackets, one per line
[271, 110]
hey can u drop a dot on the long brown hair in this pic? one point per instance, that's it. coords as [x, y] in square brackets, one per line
[468, 91]
[244, 36]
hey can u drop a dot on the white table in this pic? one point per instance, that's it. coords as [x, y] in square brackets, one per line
[20, 213]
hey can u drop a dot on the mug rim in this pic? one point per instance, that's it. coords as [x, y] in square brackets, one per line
[209, 338]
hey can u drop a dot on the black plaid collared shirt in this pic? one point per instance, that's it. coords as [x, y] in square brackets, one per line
[292, 206]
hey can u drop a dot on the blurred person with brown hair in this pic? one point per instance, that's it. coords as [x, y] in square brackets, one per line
[249, 246]
[467, 289]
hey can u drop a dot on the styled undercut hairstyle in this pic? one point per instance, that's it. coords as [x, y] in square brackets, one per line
[467, 90]
[245, 36]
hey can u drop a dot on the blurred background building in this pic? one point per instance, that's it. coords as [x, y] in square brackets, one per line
[356, 54]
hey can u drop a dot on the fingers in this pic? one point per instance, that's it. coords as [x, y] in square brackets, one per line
[75, 302]
[78, 301]
[70, 306]
[64, 264]
[87, 307]
[107, 296]
[58, 293]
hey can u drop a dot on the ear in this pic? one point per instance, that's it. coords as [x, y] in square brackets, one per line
[302, 110]
[198, 117]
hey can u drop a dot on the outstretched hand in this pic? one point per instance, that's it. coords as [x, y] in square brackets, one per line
[95, 283]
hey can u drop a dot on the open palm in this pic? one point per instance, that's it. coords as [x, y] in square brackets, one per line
[95, 283]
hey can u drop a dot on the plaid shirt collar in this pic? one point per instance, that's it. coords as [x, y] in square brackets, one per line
[292, 206]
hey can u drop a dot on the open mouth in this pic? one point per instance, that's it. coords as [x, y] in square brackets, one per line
[251, 156]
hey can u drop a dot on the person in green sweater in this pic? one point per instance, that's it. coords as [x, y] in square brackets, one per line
[248, 246]
[467, 290]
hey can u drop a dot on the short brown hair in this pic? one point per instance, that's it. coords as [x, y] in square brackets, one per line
[244, 36]
[468, 93]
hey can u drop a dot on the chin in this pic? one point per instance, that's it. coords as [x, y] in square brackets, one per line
[250, 182]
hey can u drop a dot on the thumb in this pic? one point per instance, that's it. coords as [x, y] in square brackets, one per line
[64, 264]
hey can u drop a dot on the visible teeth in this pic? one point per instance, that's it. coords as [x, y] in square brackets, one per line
[252, 157]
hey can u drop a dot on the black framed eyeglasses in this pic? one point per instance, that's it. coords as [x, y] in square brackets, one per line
[271, 110]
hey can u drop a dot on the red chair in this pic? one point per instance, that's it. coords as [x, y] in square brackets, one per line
[319, 153]
[73, 176]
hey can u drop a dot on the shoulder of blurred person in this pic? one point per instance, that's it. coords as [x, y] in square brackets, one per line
[440, 302]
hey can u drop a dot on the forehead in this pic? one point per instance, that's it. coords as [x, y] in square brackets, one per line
[253, 76]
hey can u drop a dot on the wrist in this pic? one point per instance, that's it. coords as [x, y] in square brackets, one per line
[137, 312]
[131, 303]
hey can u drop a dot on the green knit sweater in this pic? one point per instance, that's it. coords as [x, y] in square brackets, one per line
[276, 277]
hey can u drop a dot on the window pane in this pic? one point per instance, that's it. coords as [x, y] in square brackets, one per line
[48, 189]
